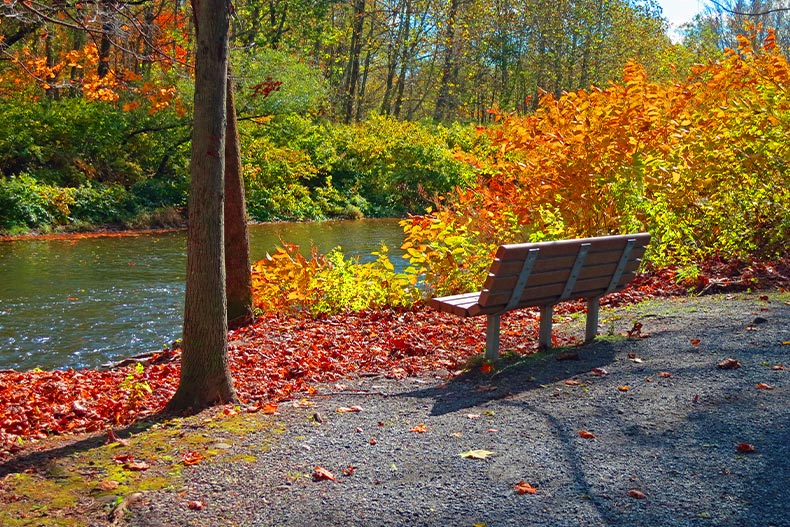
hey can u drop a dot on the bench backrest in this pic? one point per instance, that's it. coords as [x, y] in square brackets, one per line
[545, 273]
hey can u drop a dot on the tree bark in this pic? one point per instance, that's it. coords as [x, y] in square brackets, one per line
[205, 374]
[238, 277]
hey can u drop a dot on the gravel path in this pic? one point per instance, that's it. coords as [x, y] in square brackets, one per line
[671, 436]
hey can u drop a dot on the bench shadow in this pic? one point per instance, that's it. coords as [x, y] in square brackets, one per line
[514, 376]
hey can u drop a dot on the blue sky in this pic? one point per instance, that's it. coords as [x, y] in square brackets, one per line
[681, 11]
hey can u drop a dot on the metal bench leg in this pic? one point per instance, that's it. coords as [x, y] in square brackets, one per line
[592, 319]
[544, 335]
[492, 337]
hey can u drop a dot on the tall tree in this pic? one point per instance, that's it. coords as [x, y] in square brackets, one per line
[205, 374]
[238, 277]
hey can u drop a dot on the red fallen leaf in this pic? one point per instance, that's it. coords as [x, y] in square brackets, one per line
[665, 374]
[191, 458]
[572, 382]
[599, 372]
[420, 428]
[764, 298]
[779, 367]
[229, 411]
[492, 430]
[745, 448]
[524, 488]
[764, 386]
[487, 367]
[695, 342]
[729, 364]
[79, 409]
[695, 400]
[624, 388]
[359, 430]
[136, 466]
[632, 355]
[321, 474]
[123, 458]
[373, 441]
[196, 505]
[349, 470]
[348, 409]
[269, 408]
[637, 494]
[636, 330]
[109, 484]
[584, 434]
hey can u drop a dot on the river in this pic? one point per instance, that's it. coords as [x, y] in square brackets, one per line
[83, 302]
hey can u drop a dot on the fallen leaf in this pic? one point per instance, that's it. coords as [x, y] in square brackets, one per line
[786, 343]
[123, 458]
[472, 416]
[624, 388]
[196, 505]
[109, 484]
[572, 382]
[420, 428]
[745, 448]
[636, 330]
[136, 466]
[476, 454]
[599, 372]
[696, 398]
[664, 374]
[695, 342]
[492, 430]
[269, 408]
[764, 386]
[764, 298]
[487, 367]
[584, 434]
[779, 367]
[348, 409]
[349, 470]
[637, 494]
[372, 441]
[632, 356]
[359, 430]
[524, 488]
[729, 364]
[321, 474]
[191, 458]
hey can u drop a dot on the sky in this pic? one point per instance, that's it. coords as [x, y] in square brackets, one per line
[678, 12]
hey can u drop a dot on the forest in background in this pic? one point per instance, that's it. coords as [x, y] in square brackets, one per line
[383, 108]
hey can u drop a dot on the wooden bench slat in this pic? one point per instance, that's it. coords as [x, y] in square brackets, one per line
[512, 267]
[535, 295]
[569, 247]
[498, 283]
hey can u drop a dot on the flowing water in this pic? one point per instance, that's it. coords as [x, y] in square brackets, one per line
[83, 302]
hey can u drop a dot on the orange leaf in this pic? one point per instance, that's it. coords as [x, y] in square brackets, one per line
[695, 342]
[269, 408]
[191, 458]
[420, 428]
[321, 474]
[745, 448]
[624, 388]
[137, 466]
[487, 368]
[572, 382]
[584, 434]
[764, 386]
[665, 374]
[637, 494]
[524, 488]
[599, 372]
[196, 505]
[349, 470]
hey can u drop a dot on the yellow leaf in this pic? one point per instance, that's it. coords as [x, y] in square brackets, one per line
[476, 454]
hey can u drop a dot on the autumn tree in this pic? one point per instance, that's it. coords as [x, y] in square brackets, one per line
[205, 374]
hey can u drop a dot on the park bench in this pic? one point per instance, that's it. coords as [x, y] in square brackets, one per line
[546, 273]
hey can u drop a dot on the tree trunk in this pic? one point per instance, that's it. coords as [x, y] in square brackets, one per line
[446, 101]
[355, 51]
[205, 374]
[238, 278]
